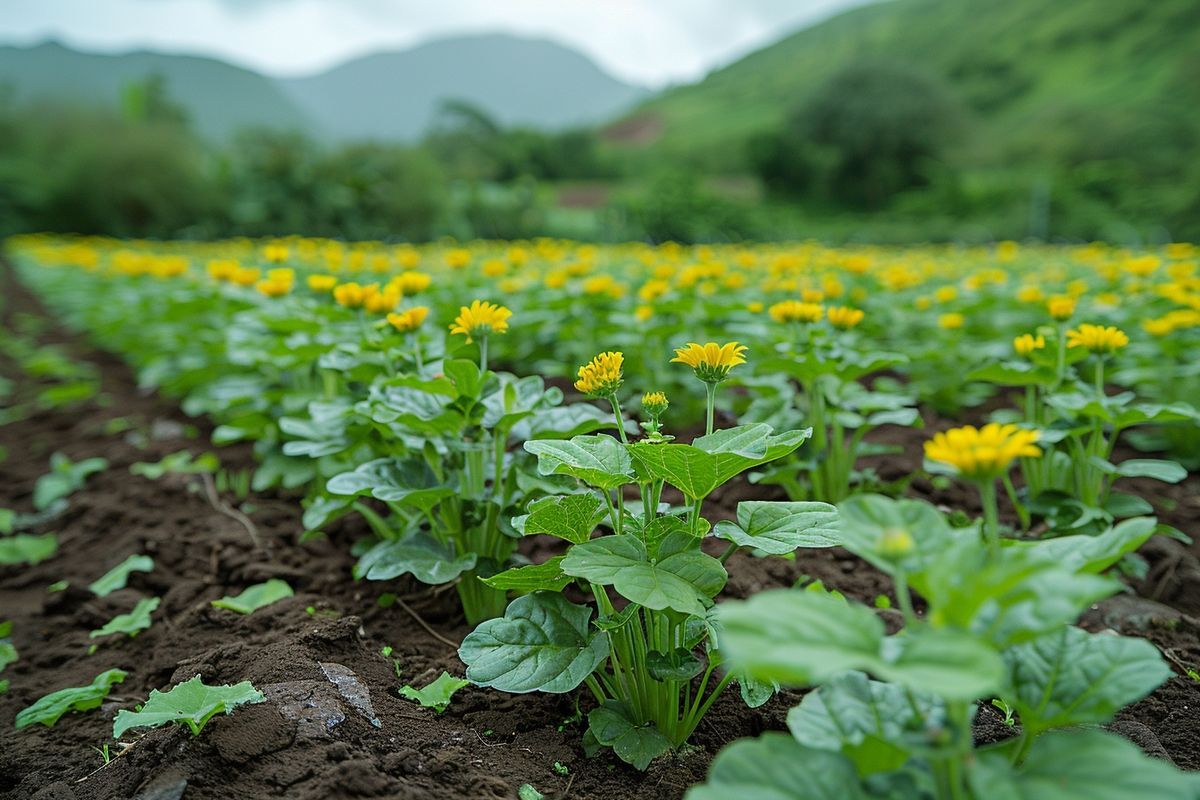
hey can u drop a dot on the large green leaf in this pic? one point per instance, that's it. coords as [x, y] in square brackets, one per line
[682, 579]
[778, 528]
[803, 638]
[133, 622]
[867, 521]
[428, 560]
[50, 708]
[118, 576]
[572, 517]
[597, 460]
[1084, 553]
[634, 744]
[698, 468]
[547, 576]
[1092, 764]
[876, 725]
[1071, 677]
[1159, 469]
[413, 410]
[542, 643]
[260, 595]
[409, 481]
[191, 703]
[775, 767]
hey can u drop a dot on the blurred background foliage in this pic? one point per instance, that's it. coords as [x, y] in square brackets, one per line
[902, 121]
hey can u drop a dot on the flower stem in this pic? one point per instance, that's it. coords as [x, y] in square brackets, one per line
[616, 407]
[712, 402]
[483, 354]
[991, 515]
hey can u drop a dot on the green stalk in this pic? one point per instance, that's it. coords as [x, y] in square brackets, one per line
[991, 515]
[415, 344]
[483, 354]
[616, 407]
[711, 405]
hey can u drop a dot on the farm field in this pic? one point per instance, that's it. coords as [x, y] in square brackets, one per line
[549, 519]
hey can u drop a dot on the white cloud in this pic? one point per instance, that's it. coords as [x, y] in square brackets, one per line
[647, 41]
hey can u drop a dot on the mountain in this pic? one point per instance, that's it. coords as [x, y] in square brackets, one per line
[1027, 70]
[219, 97]
[517, 81]
[391, 95]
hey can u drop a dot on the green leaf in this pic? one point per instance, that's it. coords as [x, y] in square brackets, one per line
[873, 724]
[118, 576]
[435, 695]
[597, 460]
[1068, 765]
[179, 463]
[50, 708]
[804, 638]
[683, 580]
[697, 469]
[8, 653]
[681, 664]
[465, 375]
[255, 597]
[527, 792]
[191, 703]
[408, 481]
[634, 744]
[26, 548]
[1014, 373]
[572, 517]
[1073, 677]
[755, 693]
[131, 623]
[535, 577]
[64, 478]
[779, 528]
[1161, 470]
[776, 767]
[542, 643]
[428, 560]
[1093, 554]
[8, 519]
[865, 521]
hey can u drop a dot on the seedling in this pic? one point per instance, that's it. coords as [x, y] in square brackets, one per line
[27, 548]
[117, 577]
[64, 478]
[132, 623]
[255, 597]
[437, 694]
[178, 463]
[53, 706]
[190, 703]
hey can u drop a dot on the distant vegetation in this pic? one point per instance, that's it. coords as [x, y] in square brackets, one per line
[908, 120]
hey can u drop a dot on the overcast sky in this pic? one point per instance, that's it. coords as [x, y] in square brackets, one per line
[652, 42]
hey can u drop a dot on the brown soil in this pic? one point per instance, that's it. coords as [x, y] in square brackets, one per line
[484, 746]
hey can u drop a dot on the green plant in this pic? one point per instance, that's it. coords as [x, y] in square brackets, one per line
[118, 576]
[27, 548]
[191, 703]
[64, 478]
[640, 662]
[132, 623]
[49, 709]
[437, 694]
[997, 625]
[178, 463]
[255, 597]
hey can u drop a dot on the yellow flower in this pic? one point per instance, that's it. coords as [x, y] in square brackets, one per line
[945, 294]
[480, 320]
[458, 258]
[711, 361]
[951, 321]
[221, 269]
[348, 295]
[643, 313]
[601, 377]
[1061, 307]
[321, 283]
[654, 404]
[408, 321]
[275, 252]
[1026, 343]
[380, 301]
[982, 454]
[1097, 338]
[1030, 294]
[812, 295]
[274, 286]
[796, 311]
[245, 276]
[844, 317]
[411, 282]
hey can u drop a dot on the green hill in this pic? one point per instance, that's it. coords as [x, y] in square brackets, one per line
[385, 96]
[517, 81]
[1037, 77]
[218, 97]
